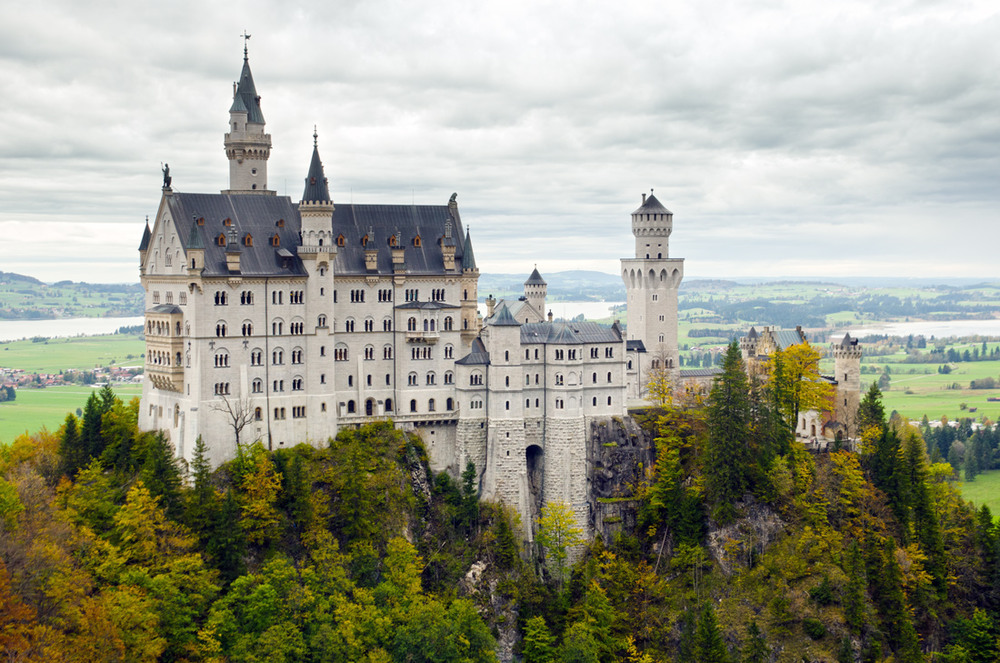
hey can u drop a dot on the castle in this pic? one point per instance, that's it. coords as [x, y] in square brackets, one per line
[284, 323]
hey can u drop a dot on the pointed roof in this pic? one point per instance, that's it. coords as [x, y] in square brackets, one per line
[478, 355]
[246, 94]
[848, 341]
[535, 278]
[652, 206]
[468, 259]
[752, 333]
[146, 235]
[316, 190]
[503, 318]
[195, 240]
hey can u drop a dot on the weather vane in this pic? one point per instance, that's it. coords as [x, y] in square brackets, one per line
[246, 38]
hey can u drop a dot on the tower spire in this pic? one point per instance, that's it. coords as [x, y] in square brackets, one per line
[247, 145]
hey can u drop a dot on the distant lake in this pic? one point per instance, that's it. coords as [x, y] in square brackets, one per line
[938, 329]
[569, 310]
[14, 330]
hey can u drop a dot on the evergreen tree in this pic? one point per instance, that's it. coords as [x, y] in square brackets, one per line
[854, 590]
[227, 545]
[90, 432]
[926, 528]
[871, 412]
[202, 504]
[537, 647]
[892, 609]
[74, 456]
[729, 460]
[688, 626]
[708, 644]
[160, 473]
[755, 650]
[470, 495]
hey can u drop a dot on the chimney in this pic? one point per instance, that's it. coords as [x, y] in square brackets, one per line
[644, 199]
[550, 315]
[490, 303]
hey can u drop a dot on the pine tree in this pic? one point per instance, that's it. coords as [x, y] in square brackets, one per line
[537, 642]
[729, 461]
[227, 545]
[871, 412]
[161, 474]
[854, 590]
[708, 644]
[755, 650]
[202, 504]
[90, 432]
[892, 608]
[71, 447]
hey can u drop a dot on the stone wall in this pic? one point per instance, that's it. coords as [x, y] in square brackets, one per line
[618, 454]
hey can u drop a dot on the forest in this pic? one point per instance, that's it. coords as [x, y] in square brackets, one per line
[746, 547]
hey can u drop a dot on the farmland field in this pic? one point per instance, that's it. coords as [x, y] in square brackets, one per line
[80, 352]
[985, 490]
[35, 408]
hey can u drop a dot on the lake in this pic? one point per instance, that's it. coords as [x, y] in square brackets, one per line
[938, 329]
[14, 330]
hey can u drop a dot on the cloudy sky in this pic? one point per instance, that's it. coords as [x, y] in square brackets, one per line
[791, 138]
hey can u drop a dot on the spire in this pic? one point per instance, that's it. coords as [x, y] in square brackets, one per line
[316, 190]
[194, 240]
[146, 235]
[503, 318]
[246, 94]
[468, 259]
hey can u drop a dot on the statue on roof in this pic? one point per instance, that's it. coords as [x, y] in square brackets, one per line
[166, 176]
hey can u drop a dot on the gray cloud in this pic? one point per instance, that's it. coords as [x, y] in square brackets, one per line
[788, 137]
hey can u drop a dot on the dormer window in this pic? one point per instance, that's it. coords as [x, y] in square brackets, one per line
[276, 241]
[227, 222]
[416, 241]
[364, 241]
[248, 240]
[340, 240]
[201, 220]
[392, 241]
[280, 223]
[221, 239]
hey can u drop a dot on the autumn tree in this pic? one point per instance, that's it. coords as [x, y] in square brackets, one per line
[798, 382]
[557, 534]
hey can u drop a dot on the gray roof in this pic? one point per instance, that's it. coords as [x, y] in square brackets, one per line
[411, 221]
[752, 334]
[166, 308]
[567, 333]
[535, 278]
[316, 190]
[786, 338]
[478, 355]
[652, 206]
[144, 243]
[503, 318]
[257, 216]
[701, 372]
[247, 94]
[426, 305]
[848, 341]
[468, 259]
[194, 239]
[635, 345]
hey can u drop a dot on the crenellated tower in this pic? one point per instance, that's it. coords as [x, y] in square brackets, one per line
[652, 279]
[535, 290]
[247, 145]
[847, 373]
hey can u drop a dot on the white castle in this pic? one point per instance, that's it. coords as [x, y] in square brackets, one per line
[284, 323]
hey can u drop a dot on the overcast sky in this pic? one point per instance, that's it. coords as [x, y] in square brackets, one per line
[789, 138]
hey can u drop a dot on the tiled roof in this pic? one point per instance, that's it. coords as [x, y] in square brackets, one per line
[478, 355]
[144, 244]
[567, 333]
[503, 318]
[700, 372]
[535, 278]
[652, 206]
[635, 345]
[316, 190]
[246, 93]
[468, 258]
[434, 306]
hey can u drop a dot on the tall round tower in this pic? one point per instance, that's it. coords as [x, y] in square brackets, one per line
[847, 373]
[652, 279]
[247, 146]
[535, 289]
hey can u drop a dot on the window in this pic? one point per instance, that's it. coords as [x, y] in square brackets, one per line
[246, 298]
[256, 358]
[416, 241]
[609, 352]
[278, 357]
[221, 388]
[506, 355]
[276, 328]
[387, 351]
[411, 379]
[298, 411]
[430, 377]
[351, 407]
[449, 378]
[413, 405]
[297, 356]
[221, 239]
[296, 297]
[388, 379]
[449, 323]
[221, 359]
[385, 295]
[257, 414]
[476, 379]
[340, 240]
[357, 296]
[593, 353]
[450, 404]
[220, 329]
[297, 328]
[321, 321]
[221, 299]
[506, 405]
[350, 380]
[412, 295]
[278, 385]
[369, 325]
[595, 401]
[609, 400]
[559, 354]
[559, 403]
[183, 299]
[279, 413]
[449, 351]
[322, 378]
[594, 378]
[258, 386]
[388, 405]
[411, 324]
[248, 240]
[297, 384]
[248, 329]
[387, 324]
[349, 325]
[277, 297]
[275, 240]
[536, 353]
[507, 381]
[430, 405]
[609, 376]
[559, 378]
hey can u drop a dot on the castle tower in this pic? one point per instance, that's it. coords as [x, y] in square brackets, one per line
[316, 207]
[247, 146]
[652, 279]
[535, 290]
[847, 372]
[470, 294]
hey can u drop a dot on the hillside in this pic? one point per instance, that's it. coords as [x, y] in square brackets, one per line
[27, 298]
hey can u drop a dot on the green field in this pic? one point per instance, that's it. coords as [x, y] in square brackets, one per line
[984, 490]
[35, 408]
[81, 352]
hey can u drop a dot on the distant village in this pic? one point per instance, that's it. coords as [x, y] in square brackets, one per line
[18, 378]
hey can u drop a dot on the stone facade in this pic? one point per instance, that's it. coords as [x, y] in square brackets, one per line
[282, 322]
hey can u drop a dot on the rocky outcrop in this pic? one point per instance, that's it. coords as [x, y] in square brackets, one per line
[618, 454]
[739, 543]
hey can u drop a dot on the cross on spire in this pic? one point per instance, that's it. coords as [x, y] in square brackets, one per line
[246, 38]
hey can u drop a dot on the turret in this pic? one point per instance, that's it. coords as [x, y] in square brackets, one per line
[535, 290]
[847, 373]
[652, 224]
[247, 146]
[144, 245]
[316, 207]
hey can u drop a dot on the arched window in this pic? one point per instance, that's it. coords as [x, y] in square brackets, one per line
[450, 404]
[340, 240]
[321, 321]
[248, 240]
[221, 239]
[449, 378]
[275, 240]
[257, 414]
[388, 405]
[411, 324]
[430, 405]
[416, 241]
[413, 405]
[386, 351]
[258, 386]
[350, 407]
